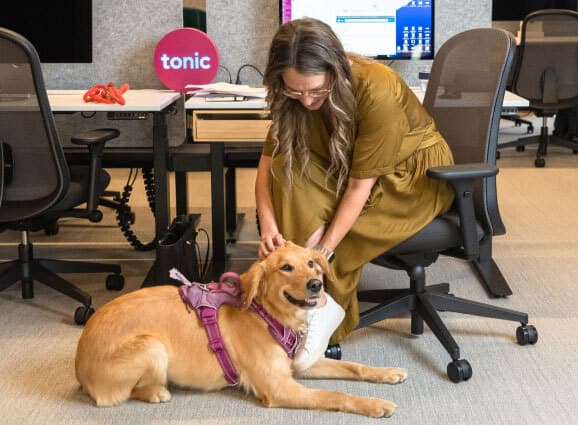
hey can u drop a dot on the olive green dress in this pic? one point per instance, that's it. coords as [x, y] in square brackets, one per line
[396, 140]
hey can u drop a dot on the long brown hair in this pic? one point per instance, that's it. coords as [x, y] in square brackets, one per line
[310, 47]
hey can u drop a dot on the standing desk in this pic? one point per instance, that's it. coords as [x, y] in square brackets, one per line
[156, 102]
[241, 122]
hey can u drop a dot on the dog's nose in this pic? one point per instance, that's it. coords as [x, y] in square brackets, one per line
[314, 286]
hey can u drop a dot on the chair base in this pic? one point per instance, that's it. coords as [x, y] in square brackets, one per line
[28, 269]
[424, 302]
[543, 141]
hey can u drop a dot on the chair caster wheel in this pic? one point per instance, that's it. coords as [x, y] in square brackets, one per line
[520, 148]
[459, 370]
[540, 162]
[526, 334]
[82, 314]
[51, 228]
[114, 282]
[333, 352]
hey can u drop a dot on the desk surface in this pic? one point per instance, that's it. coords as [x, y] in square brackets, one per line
[136, 100]
[511, 100]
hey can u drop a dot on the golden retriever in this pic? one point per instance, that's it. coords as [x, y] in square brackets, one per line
[136, 344]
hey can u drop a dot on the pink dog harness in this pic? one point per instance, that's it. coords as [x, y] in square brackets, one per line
[206, 298]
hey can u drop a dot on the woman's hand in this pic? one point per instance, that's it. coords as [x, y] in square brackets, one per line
[270, 242]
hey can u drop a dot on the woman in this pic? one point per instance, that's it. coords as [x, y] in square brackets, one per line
[344, 165]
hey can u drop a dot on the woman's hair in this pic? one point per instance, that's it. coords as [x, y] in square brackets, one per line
[310, 47]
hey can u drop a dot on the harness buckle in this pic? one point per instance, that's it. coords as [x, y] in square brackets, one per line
[208, 316]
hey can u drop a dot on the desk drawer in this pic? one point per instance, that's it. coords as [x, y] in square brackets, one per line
[230, 125]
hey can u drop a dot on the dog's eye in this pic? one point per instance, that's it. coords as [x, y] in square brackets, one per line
[310, 264]
[287, 268]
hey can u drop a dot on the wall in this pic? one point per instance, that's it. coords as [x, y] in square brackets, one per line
[125, 34]
[243, 30]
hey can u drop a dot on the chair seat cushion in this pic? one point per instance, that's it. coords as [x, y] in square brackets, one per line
[441, 234]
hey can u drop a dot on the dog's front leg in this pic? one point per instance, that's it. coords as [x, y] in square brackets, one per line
[291, 394]
[338, 369]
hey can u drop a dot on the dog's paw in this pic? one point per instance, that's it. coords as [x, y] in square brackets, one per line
[392, 375]
[162, 396]
[157, 394]
[378, 408]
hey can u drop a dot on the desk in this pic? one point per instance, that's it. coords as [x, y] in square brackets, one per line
[220, 122]
[156, 102]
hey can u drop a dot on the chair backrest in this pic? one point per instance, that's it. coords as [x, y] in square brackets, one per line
[546, 71]
[40, 173]
[464, 96]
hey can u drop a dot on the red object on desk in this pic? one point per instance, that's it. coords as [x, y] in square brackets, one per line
[101, 93]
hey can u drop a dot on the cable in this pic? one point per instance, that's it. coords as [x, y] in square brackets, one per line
[203, 265]
[228, 72]
[124, 215]
[247, 65]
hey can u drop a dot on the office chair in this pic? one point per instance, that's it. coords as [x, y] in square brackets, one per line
[464, 96]
[36, 185]
[546, 73]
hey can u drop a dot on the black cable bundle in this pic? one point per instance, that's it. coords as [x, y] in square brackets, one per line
[124, 215]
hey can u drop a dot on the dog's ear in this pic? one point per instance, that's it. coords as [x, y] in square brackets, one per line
[322, 261]
[250, 283]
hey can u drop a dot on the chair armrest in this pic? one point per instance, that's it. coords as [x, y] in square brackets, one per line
[95, 140]
[462, 171]
[462, 177]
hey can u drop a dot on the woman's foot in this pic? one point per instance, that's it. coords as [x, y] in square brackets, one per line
[322, 322]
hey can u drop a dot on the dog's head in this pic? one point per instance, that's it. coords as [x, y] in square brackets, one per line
[286, 283]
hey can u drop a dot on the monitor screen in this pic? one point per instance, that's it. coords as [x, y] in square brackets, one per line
[516, 10]
[61, 31]
[381, 29]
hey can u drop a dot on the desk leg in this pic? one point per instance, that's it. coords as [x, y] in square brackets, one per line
[160, 160]
[218, 210]
[181, 193]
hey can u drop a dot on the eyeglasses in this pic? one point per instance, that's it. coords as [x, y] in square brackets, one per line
[314, 94]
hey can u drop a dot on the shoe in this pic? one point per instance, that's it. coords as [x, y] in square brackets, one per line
[322, 322]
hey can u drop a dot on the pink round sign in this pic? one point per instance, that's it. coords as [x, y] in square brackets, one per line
[186, 56]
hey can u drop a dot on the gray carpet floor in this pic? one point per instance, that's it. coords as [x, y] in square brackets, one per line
[511, 384]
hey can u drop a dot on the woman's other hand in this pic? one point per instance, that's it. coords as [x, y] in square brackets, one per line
[269, 243]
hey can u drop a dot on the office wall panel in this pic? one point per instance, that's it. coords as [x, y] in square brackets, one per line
[125, 34]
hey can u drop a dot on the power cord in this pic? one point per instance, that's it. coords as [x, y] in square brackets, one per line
[125, 217]
[203, 265]
[247, 65]
[228, 73]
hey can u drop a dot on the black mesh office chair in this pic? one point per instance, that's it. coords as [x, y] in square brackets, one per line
[546, 73]
[36, 185]
[464, 96]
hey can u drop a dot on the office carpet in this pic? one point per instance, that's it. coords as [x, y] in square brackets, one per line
[511, 384]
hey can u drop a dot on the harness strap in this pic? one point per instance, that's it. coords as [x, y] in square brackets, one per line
[284, 335]
[208, 316]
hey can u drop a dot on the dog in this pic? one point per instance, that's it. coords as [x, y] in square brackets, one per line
[138, 343]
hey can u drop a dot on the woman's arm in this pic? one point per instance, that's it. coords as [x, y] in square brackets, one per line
[270, 236]
[354, 198]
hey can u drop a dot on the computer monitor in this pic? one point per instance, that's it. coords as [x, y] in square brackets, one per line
[61, 31]
[380, 29]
